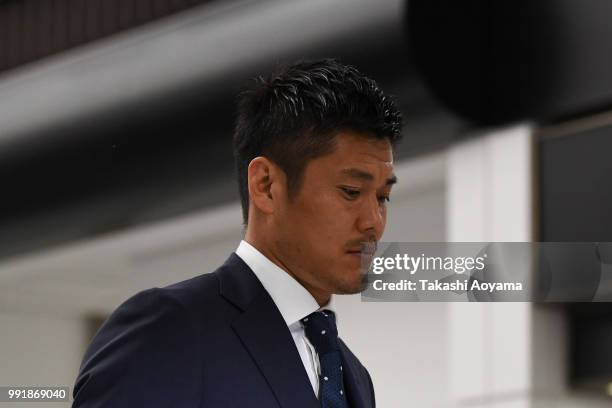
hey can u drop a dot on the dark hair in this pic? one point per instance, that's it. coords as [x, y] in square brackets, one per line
[292, 117]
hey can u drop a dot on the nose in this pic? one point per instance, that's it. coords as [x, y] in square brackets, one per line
[372, 218]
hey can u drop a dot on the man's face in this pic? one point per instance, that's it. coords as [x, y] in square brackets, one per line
[341, 203]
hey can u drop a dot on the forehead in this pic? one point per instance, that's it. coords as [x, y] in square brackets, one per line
[354, 149]
[353, 153]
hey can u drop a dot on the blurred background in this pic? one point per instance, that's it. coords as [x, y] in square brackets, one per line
[116, 173]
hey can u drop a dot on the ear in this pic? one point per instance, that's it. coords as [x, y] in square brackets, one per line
[265, 181]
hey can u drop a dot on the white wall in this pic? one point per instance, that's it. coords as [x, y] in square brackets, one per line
[39, 350]
[490, 199]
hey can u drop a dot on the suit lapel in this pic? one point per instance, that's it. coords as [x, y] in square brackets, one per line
[354, 385]
[268, 340]
[265, 336]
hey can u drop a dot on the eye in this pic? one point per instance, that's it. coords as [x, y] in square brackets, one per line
[384, 199]
[350, 193]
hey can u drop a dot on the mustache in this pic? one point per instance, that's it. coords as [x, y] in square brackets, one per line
[367, 244]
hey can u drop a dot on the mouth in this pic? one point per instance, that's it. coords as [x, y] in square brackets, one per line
[367, 249]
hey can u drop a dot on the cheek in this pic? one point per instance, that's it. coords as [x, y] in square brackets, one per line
[331, 214]
[322, 217]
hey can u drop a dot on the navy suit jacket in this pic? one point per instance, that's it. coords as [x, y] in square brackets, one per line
[216, 340]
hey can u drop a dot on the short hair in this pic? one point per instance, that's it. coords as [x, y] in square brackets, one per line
[293, 116]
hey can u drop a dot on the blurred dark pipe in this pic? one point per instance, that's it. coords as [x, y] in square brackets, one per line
[138, 128]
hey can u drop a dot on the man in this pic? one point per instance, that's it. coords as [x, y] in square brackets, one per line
[313, 147]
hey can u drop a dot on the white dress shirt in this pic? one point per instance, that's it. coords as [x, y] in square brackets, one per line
[292, 300]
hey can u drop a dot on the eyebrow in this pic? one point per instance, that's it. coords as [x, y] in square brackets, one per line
[365, 176]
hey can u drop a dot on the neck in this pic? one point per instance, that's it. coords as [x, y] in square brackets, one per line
[322, 297]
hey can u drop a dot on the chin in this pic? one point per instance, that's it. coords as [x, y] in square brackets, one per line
[351, 289]
[356, 283]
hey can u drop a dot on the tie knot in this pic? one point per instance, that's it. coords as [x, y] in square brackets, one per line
[320, 328]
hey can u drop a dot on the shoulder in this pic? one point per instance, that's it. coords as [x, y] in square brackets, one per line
[156, 332]
[162, 307]
[148, 331]
[192, 294]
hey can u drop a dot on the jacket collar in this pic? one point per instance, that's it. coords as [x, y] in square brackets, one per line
[237, 282]
[292, 299]
[265, 335]
[267, 338]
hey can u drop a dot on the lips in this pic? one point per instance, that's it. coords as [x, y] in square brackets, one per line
[367, 249]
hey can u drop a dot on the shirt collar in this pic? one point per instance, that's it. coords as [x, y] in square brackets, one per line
[292, 300]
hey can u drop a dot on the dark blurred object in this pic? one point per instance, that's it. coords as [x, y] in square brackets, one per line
[33, 29]
[496, 62]
[575, 196]
[575, 188]
[590, 339]
[569, 272]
